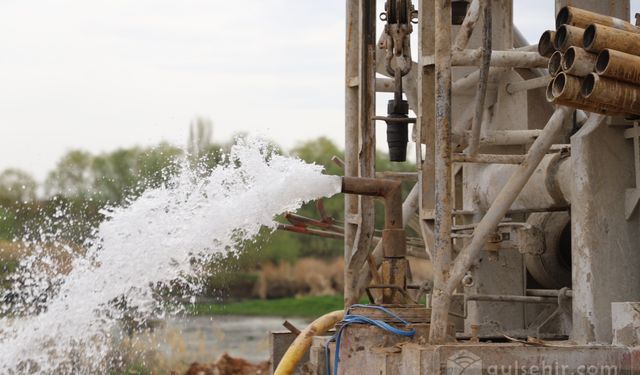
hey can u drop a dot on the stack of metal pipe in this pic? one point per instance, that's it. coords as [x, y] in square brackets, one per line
[594, 61]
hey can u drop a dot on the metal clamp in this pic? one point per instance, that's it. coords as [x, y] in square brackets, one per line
[387, 286]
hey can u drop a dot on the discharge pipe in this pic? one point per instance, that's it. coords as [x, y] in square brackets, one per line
[394, 248]
[393, 236]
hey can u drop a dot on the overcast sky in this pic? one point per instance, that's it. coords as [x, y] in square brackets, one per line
[103, 74]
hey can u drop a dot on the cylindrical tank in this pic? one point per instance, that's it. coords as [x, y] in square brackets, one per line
[549, 186]
[547, 252]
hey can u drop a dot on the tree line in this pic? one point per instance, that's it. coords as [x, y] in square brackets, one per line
[82, 183]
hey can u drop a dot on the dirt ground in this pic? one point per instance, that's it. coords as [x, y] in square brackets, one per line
[227, 365]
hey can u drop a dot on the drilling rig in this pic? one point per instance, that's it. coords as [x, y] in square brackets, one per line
[525, 194]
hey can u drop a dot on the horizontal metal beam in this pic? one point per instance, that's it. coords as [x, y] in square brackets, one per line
[509, 137]
[488, 158]
[504, 59]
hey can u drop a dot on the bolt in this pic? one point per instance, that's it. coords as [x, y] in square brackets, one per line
[467, 280]
[475, 329]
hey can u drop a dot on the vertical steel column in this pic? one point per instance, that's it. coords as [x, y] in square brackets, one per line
[359, 135]
[442, 254]
[351, 127]
[426, 122]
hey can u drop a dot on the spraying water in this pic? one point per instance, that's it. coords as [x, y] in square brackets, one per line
[151, 241]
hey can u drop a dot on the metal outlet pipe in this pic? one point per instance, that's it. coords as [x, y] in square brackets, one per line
[578, 62]
[394, 246]
[611, 92]
[546, 46]
[582, 18]
[409, 208]
[599, 37]
[618, 65]
[377, 187]
[568, 36]
[555, 63]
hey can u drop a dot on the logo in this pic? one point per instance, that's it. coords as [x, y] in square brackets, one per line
[464, 363]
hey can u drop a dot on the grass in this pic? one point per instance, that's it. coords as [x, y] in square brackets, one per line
[303, 307]
[133, 370]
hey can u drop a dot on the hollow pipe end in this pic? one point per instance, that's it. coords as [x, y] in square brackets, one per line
[563, 17]
[602, 62]
[569, 57]
[562, 38]
[588, 84]
[589, 37]
[559, 84]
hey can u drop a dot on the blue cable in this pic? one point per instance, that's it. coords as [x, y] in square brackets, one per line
[359, 319]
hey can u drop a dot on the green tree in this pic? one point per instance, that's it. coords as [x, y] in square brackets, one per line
[157, 165]
[17, 186]
[112, 177]
[72, 176]
[115, 176]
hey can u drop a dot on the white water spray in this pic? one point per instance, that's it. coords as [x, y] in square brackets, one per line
[150, 241]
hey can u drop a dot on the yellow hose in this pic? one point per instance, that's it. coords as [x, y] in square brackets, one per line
[302, 343]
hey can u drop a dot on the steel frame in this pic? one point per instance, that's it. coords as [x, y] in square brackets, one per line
[434, 131]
